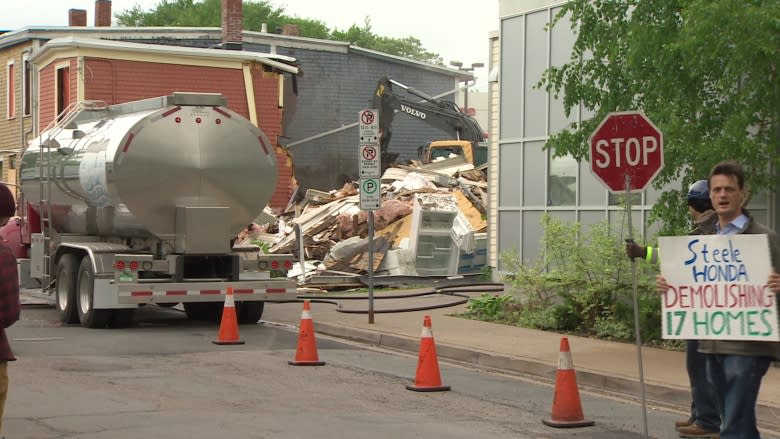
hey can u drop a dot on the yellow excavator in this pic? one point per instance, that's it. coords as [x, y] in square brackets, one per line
[468, 137]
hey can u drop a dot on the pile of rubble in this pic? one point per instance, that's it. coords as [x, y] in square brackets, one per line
[432, 222]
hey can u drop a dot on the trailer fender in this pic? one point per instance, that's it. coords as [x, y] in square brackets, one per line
[101, 254]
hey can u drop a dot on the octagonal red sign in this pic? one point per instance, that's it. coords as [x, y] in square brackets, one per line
[626, 144]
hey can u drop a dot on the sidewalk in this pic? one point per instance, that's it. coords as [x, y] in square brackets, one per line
[602, 365]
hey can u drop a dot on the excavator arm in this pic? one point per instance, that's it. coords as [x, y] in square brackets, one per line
[441, 114]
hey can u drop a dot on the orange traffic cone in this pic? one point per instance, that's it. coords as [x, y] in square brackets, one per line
[228, 328]
[306, 354]
[427, 378]
[566, 409]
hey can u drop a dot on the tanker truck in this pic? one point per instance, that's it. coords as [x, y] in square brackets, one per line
[136, 203]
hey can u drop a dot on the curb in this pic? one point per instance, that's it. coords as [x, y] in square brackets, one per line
[655, 394]
[664, 395]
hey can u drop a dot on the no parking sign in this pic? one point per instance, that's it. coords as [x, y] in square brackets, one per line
[369, 163]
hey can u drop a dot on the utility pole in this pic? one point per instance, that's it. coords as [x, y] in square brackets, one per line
[459, 65]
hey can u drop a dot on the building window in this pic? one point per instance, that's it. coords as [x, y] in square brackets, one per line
[26, 86]
[616, 199]
[63, 89]
[11, 91]
[562, 181]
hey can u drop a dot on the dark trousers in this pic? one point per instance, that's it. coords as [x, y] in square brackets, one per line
[704, 400]
[737, 379]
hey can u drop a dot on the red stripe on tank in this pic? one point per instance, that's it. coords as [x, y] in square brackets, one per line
[262, 143]
[129, 140]
[222, 112]
[171, 111]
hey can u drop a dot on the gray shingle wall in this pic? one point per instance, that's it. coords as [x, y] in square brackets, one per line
[334, 87]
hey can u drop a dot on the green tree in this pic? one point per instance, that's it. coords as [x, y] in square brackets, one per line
[195, 13]
[357, 35]
[408, 47]
[183, 13]
[704, 72]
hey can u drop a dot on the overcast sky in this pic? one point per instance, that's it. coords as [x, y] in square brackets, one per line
[456, 30]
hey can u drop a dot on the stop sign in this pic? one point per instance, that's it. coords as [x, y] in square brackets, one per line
[626, 144]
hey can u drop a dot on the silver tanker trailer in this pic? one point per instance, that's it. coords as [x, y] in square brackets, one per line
[136, 203]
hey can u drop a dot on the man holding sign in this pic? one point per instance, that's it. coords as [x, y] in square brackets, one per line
[723, 290]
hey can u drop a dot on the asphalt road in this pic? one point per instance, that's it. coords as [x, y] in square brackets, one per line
[163, 378]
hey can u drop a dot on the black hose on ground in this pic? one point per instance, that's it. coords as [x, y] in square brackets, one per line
[458, 290]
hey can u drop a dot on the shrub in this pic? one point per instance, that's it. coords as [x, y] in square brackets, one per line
[582, 283]
[490, 307]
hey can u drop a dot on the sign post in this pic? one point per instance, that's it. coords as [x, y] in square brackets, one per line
[370, 171]
[626, 153]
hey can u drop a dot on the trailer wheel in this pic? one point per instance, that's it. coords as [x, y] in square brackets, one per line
[249, 313]
[67, 302]
[88, 315]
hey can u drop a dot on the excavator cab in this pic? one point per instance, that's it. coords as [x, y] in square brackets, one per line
[444, 149]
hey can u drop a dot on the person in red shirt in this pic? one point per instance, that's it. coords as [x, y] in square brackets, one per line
[10, 307]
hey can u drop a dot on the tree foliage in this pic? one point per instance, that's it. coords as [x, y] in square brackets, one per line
[198, 13]
[704, 72]
[408, 47]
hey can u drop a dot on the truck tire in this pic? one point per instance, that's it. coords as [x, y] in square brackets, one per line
[248, 313]
[67, 301]
[208, 311]
[88, 315]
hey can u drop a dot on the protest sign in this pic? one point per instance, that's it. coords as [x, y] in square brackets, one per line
[718, 288]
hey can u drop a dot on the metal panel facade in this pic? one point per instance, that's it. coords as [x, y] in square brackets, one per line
[527, 173]
[528, 117]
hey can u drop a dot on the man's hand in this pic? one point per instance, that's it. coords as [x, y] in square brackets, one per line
[634, 250]
[660, 284]
[774, 282]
